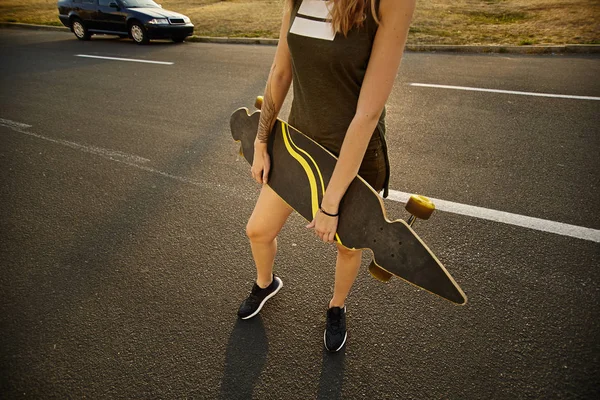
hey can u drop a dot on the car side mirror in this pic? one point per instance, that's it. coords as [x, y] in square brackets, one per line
[112, 4]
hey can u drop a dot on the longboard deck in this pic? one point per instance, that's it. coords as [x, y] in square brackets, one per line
[300, 171]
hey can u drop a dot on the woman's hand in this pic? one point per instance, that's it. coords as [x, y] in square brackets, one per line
[261, 164]
[325, 226]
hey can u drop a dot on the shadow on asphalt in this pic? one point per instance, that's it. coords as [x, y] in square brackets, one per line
[332, 375]
[245, 359]
[127, 41]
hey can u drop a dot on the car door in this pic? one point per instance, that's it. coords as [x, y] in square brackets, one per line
[86, 10]
[111, 19]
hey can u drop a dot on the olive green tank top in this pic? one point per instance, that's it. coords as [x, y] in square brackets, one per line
[328, 72]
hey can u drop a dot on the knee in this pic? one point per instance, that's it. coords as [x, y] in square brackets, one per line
[258, 233]
[348, 253]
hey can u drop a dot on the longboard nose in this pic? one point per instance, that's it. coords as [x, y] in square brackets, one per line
[238, 123]
[244, 127]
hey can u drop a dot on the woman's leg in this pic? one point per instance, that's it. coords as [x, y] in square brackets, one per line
[267, 219]
[346, 270]
[373, 170]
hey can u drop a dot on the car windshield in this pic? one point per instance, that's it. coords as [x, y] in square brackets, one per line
[139, 3]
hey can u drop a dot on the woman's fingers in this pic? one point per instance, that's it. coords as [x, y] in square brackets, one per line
[331, 237]
[261, 166]
[325, 227]
[266, 168]
[257, 175]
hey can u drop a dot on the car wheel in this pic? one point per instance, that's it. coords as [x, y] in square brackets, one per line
[178, 39]
[138, 33]
[80, 30]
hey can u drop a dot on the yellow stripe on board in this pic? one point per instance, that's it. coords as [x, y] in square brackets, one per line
[314, 194]
[289, 136]
[311, 159]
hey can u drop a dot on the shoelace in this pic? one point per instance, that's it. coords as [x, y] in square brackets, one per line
[254, 298]
[335, 321]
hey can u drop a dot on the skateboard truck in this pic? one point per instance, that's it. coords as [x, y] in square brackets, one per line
[258, 102]
[419, 207]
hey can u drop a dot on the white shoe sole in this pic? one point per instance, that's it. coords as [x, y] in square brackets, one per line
[262, 303]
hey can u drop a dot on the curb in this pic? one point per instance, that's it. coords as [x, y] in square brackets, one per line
[34, 27]
[233, 40]
[498, 49]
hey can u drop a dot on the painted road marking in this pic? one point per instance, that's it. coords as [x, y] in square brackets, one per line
[562, 96]
[12, 124]
[538, 224]
[21, 128]
[543, 225]
[125, 59]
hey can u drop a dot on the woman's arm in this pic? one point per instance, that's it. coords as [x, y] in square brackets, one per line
[276, 90]
[384, 62]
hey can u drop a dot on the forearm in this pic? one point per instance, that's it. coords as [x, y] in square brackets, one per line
[276, 90]
[351, 155]
[384, 62]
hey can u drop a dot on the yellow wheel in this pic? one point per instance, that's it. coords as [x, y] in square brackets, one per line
[379, 273]
[420, 206]
[259, 102]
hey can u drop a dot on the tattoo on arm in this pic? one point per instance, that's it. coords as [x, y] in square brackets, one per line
[268, 113]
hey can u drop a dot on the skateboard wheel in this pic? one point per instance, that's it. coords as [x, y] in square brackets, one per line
[379, 273]
[420, 206]
[258, 102]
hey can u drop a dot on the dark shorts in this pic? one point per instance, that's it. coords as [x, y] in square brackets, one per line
[373, 168]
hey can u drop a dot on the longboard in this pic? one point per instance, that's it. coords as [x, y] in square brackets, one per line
[300, 171]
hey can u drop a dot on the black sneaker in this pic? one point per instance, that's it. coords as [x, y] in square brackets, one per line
[258, 297]
[335, 331]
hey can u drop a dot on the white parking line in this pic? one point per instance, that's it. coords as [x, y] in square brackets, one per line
[394, 195]
[125, 59]
[538, 224]
[12, 124]
[112, 154]
[562, 96]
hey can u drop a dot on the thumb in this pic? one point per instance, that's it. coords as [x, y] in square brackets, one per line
[311, 225]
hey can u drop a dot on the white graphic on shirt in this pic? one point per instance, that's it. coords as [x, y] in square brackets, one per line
[310, 27]
[315, 9]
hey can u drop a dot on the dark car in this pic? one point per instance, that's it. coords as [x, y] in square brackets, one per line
[140, 20]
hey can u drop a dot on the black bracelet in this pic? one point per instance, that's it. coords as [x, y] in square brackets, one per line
[329, 215]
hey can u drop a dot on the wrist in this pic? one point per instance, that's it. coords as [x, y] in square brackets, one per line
[259, 145]
[330, 207]
[329, 214]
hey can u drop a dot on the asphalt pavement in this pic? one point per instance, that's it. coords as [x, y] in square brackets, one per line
[124, 258]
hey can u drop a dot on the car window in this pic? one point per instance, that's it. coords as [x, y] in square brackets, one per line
[139, 3]
[106, 2]
[89, 1]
